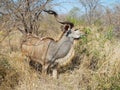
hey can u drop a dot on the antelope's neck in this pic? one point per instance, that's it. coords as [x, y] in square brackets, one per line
[65, 39]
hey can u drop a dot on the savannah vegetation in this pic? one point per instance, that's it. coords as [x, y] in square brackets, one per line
[96, 62]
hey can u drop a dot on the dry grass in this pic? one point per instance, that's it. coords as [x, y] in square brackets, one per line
[95, 66]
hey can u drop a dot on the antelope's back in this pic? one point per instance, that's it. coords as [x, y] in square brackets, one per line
[35, 48]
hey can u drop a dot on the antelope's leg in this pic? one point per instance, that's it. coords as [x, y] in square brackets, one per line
[45, 68]
[55, 71]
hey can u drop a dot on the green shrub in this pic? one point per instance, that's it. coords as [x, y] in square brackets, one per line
[9, 78]
[109, 33]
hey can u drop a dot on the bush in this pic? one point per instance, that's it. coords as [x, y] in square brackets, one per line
[9, 78]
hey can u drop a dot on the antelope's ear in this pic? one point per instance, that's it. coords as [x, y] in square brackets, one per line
[65, 28]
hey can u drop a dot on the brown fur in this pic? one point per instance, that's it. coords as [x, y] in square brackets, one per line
[32, 47]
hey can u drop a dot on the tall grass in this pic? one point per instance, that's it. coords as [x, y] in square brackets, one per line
[95, 65]
[99, 52]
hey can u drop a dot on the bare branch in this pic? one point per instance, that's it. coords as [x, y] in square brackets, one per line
[25, 12]
[41, 9]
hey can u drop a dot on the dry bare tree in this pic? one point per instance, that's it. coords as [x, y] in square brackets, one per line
[24, 14]
[115, 19]
[91, 9]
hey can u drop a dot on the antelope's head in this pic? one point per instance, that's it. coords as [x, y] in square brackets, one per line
[70, 31]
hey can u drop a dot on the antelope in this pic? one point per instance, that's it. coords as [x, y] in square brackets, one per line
[47, 51]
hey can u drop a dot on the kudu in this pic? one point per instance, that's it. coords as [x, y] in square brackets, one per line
[46, 50]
